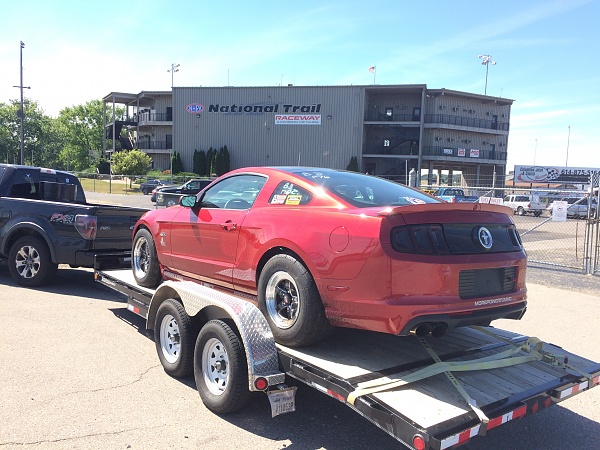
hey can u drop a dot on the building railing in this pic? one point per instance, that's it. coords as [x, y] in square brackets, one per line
[152, 145]
[154, 117]
[465, 153]
[376, 116]
[468, 122]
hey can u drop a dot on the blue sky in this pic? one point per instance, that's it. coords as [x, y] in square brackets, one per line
[547, 55]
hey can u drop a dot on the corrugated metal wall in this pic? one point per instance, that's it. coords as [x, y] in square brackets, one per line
[253, 138]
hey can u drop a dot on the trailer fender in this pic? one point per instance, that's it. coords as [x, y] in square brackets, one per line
[254, 331]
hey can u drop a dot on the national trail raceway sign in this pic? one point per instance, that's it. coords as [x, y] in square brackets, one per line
[550, 174]
[295, 119]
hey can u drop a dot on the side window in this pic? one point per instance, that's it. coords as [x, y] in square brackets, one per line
[287, 193]
[25, 185]
[235, 192]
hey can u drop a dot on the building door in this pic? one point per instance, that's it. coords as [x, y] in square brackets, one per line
[495, 122]
[417, 114]
[168, 141]
[169, 114]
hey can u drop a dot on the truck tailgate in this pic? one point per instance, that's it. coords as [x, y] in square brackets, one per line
[115, 226]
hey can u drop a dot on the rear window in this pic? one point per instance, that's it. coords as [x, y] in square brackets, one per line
[365, 191]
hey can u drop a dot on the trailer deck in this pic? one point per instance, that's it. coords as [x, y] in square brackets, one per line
[426, 392]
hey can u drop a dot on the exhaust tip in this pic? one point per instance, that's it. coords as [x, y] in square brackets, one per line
[439, 330]
[422, 330]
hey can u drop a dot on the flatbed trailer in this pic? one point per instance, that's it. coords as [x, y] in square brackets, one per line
[428, 393]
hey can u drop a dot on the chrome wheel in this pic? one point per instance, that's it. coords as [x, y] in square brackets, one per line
[215, 366]
[282, 300]
[141, 257]
[27, 261]
[170, 339]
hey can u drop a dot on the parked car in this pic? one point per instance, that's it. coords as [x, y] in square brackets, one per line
[147, 186]
[454, 195]
[524, 204]
[169, 196]
[316, 248]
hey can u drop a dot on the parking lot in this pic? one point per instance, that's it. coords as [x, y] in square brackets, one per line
[79, 372]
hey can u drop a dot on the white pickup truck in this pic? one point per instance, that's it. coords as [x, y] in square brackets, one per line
[525, 204]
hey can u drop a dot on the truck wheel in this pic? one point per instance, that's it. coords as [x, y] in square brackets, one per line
[145, 191]
[220, 368]
[520, 211]
[174, 338]
[144, 261]
[289, 299]
[537, 213]
[30, 263]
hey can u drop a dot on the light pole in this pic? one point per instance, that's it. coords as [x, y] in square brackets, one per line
[568, 139]
[21, 112]
[173, 69]
[486, 61]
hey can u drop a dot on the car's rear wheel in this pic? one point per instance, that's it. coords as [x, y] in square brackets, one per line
[289, 299]
[520, 211]
[145, 191]
[144, 261]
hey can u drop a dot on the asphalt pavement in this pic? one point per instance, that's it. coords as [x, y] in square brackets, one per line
[79, 372]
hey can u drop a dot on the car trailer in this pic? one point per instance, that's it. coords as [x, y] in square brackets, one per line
[426, 392]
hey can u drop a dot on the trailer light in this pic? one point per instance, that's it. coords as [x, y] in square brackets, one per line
[419, 443]
[535, 407]
[548, 402]
[261, 383]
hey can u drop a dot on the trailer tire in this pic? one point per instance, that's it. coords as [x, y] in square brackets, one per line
[289, 299]
[220, 368]
[144, 260]
[30, 263]
[174, 339]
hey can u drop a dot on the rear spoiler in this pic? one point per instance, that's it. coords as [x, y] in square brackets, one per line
[435, 207]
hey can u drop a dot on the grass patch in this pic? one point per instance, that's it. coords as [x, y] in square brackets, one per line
[106, 187]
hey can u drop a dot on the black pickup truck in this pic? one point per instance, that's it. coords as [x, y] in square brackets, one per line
[45, 220]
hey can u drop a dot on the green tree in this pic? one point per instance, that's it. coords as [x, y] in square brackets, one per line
[210, 161]
[130, 162]
[200, 162]
[82, 127]
[177, 164]
[353, 164]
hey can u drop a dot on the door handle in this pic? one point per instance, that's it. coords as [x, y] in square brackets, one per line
[229, 225]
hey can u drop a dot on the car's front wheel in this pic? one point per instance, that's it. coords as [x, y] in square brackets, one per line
[144, 261]
[520, 211]
[289, 299]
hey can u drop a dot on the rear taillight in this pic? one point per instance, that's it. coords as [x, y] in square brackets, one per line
[420, 239]
[86, 226]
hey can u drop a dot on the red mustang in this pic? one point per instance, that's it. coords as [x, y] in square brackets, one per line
[316, 248]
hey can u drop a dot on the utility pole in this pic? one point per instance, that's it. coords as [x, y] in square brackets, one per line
[21, 112]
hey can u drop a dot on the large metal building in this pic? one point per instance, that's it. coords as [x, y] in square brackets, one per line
[390, 129]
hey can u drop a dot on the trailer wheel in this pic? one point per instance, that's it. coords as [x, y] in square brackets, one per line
[144, 261]
[290, 301]
[174, 338]
[30, 263]
[220, 368]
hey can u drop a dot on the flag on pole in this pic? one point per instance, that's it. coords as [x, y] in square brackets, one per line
[372, 69]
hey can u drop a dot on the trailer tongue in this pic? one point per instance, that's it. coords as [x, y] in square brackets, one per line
[426, 392]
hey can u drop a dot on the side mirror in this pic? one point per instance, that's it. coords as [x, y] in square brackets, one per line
[188, 201]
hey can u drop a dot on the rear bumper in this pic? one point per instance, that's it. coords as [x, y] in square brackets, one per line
[478, 317]
[104, 260]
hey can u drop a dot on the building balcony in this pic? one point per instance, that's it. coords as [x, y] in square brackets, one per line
[144, 144]
[466, 122]
[376, 116]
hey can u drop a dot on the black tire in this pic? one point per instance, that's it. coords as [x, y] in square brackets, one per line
[520, 211]
[174, 338]
[537, 213]
[144, 260]
[30, 263]
[145, 191]
[220, 368]
[289, 299]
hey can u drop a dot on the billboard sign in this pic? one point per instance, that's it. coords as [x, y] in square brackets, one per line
[554, 174]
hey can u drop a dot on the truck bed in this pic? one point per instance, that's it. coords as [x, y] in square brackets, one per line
[433, 407]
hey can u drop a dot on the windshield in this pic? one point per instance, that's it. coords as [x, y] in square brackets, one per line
[365, 191]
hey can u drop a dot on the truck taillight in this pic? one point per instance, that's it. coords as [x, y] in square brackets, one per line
[86, 226]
